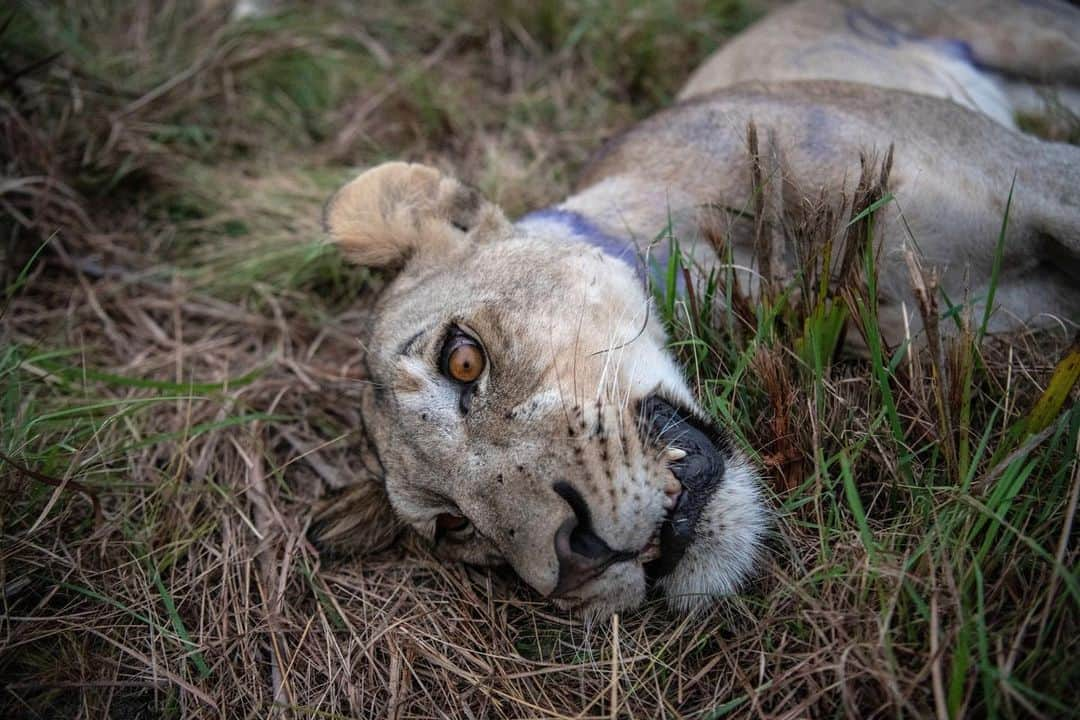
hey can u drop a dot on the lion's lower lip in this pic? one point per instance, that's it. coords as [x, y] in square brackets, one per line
[652, 550]
[700, 472]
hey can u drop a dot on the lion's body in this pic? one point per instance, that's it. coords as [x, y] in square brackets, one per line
[826, 81]
[578, 454]
[996, 57]
[951, 188]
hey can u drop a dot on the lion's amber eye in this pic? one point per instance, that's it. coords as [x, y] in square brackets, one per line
[465, 361]
[448, 522]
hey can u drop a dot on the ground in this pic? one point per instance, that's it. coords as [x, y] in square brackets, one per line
[180, 365]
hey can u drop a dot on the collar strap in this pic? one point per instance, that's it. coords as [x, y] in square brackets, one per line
[584, 230]
[625, 250]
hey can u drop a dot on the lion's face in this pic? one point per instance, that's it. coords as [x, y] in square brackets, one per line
[527, 412]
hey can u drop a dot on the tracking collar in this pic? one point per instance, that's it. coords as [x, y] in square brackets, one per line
[584, 230]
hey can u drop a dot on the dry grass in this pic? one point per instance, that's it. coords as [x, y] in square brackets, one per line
[176, 341]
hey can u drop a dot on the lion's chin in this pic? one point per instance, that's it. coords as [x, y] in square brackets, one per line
[700, 471]
[726, 544]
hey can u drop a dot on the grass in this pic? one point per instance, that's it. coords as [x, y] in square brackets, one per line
[178, 347]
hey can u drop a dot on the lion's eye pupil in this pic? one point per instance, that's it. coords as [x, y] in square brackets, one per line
[466, 362]
[448, 522]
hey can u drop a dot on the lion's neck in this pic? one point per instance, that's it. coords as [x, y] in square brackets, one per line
[627, 217]
[654, 216]
[635, 207]
[569, 225]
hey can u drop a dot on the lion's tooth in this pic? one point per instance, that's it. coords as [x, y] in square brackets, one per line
[674, 454]
[672, 486]
[650, 553]
[669, 501]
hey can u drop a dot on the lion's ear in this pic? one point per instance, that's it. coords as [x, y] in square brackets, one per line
[355, 520]
[398, 211]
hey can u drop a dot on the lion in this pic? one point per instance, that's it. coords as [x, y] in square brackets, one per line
[524, 407]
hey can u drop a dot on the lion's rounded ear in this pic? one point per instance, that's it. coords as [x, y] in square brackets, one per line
[354, 520]
[398, 211]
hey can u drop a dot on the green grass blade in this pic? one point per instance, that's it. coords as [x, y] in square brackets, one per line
[194, 654]
[995, 271]
[851, 494]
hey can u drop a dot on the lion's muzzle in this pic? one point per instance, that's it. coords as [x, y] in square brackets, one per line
[700, 471]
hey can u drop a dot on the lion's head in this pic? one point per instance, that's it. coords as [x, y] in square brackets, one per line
[525, 409]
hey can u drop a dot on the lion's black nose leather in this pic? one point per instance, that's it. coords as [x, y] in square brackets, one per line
[582, 554]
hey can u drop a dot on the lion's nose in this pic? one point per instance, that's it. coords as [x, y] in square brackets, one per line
[582, 554]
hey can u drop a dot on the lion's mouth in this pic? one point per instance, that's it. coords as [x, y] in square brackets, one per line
[700, 471]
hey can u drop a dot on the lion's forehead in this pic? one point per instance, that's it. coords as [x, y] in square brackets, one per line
[523, 280]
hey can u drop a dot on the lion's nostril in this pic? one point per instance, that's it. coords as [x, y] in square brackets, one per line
[584, 542]
[580, 558]
[580, 538]
[582, 554]
[573, 498]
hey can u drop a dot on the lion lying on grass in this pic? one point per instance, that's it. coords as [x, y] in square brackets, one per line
[524, 406]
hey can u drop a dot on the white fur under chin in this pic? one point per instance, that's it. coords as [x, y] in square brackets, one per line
[719, 564]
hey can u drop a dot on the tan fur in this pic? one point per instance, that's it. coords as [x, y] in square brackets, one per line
[387, 215]
[571, 342]
[912, 45]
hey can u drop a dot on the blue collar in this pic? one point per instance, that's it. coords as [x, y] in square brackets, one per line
[622, 249]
